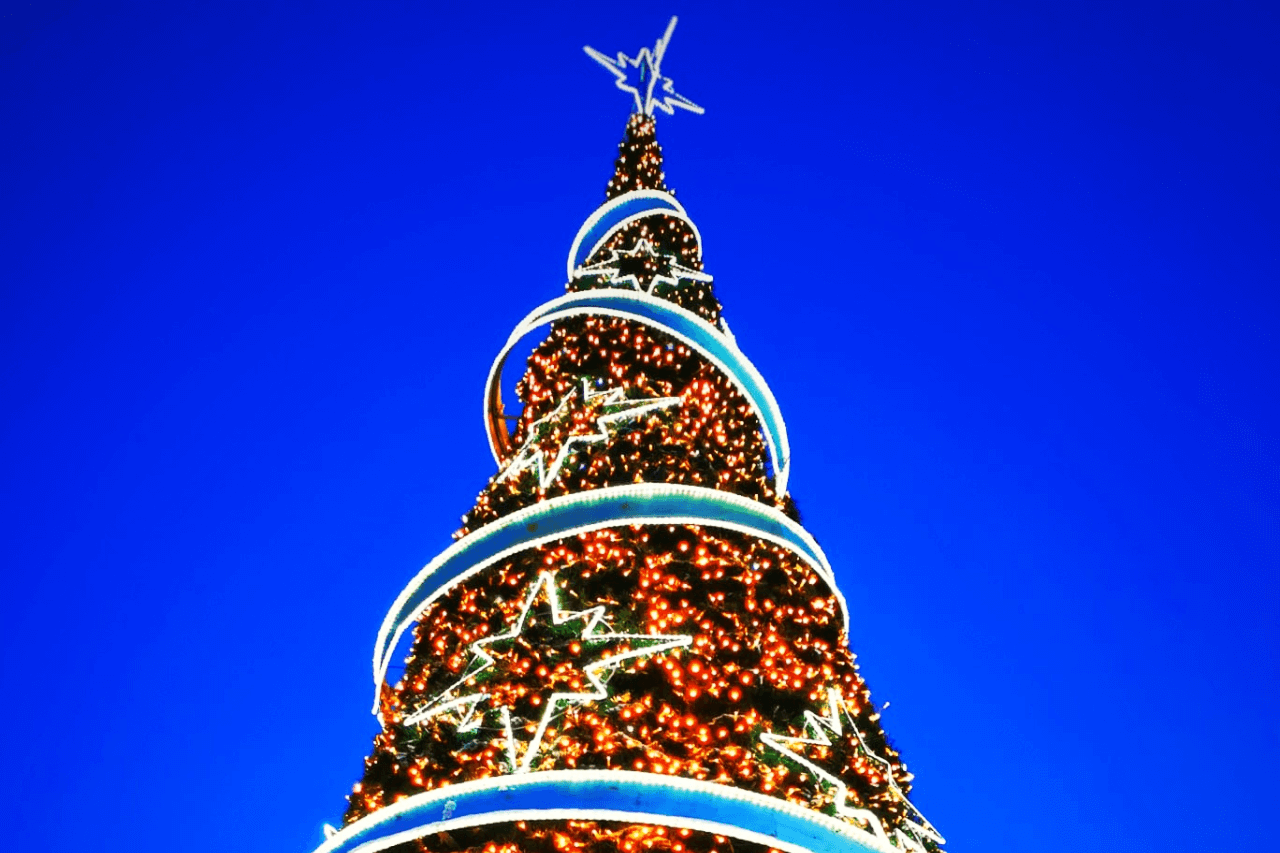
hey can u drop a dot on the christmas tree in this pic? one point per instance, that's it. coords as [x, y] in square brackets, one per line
[632, 644]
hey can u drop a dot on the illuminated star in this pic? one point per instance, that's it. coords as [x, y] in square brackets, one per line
[617, 409]
[637, 262]
[642, 75]
[818, 731]
[499, 657]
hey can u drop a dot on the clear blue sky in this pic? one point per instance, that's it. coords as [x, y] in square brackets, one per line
[1010, 269]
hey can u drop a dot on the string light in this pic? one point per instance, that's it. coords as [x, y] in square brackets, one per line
[581, 836]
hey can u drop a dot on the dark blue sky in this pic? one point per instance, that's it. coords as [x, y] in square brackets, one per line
[1011, 271]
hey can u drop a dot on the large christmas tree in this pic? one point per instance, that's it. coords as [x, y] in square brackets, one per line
[632, 643]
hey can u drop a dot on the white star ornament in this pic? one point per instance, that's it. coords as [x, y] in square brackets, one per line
[642, 75]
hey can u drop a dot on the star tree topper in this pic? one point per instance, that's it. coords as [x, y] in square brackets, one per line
[642, 75]
[818, 731]
[606, 648]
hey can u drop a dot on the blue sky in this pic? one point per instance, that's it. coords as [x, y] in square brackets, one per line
[1011, 270]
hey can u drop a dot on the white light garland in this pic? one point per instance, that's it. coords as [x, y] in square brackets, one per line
[619, 213]
[595, 630]
[717, 347]
[596, 509]
[623, 796]
[817, 733]
[531, 456]
[646, 69]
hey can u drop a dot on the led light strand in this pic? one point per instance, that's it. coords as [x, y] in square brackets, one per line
[608, 795]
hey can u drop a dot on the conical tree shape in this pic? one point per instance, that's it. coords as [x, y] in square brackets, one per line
[639, 163]
[680, 650]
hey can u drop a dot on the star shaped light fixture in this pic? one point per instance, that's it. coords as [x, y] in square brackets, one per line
[499, 673]
[818, 732]
[642, 77]
[616, 408]
[641, 262]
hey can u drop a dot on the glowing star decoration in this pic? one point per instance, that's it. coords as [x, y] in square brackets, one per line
[530, 456]
[606, 649]
[643, 259]
[818, 731]
[642, 75]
